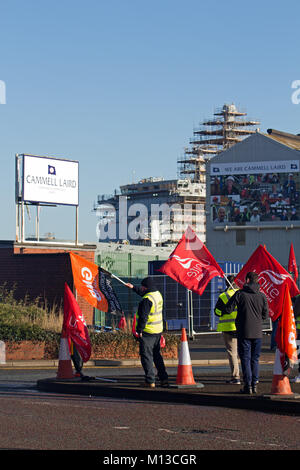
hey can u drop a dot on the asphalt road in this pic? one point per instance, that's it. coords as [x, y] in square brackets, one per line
[34, 420]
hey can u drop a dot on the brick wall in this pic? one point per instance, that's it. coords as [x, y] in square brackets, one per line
[41, 271]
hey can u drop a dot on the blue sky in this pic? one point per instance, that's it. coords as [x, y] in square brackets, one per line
[120, 85]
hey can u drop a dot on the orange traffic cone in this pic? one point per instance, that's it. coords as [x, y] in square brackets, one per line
[65, 370]
[280, 383]
[185, 377]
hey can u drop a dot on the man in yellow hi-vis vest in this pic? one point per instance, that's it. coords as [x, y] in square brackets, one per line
[149, 327]
[226, 325]
[296, 308]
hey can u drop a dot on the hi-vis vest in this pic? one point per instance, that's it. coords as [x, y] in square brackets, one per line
[227, 321]
[297, 314]
[155, 318]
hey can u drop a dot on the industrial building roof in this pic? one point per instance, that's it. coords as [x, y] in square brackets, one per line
[290, 140]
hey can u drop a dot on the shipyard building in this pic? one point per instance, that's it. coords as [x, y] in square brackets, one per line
[253, 198]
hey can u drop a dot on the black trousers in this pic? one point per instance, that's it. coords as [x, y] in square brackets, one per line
[150, 352]
[77, 360]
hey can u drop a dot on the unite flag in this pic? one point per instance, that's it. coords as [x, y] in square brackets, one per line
[271, 277]
[191, 264]
[74, 326]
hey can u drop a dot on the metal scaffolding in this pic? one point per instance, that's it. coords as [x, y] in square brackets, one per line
[214, 136]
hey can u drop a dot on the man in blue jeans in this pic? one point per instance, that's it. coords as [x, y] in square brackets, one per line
[252, 309]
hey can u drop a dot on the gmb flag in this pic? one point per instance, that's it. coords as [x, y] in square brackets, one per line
[86, 281]
[286, 329]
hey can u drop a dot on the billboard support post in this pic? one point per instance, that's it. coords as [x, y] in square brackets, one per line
[23, 223]
[76, 227]
[37, 225]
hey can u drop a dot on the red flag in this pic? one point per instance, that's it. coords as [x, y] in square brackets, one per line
[74, 325]
[191, 264]
[134, 326]
[292, 267]
[271, 277]
[162, 338]
[286, 330]
[122, 323]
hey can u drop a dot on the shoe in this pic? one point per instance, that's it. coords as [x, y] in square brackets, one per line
[233, 381]
[148, 385]
[254, 388]
[87, 378]
[78, 374]
[246, 390]
[164, 383]
[296, 379]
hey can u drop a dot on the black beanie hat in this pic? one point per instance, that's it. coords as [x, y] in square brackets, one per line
[149, 284]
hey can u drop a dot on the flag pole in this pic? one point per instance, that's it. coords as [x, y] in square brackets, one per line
[226, 278]
[112, 275]
[190, 314]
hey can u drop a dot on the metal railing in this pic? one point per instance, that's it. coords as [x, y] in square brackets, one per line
[182, 307]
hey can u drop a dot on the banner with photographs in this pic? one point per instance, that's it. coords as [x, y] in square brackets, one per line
[249, 193]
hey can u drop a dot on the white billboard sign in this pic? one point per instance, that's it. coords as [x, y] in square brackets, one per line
[50, 180]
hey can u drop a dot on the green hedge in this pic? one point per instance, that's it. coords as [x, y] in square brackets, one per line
[22, 332]
[17, 333]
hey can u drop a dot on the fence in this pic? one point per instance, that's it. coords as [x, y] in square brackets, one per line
[182, 308]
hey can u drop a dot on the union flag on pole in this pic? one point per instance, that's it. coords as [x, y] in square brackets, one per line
[271, 277]
[191, 264]
[74, 326]
[86, 280]
[286, 329]
[292, 266]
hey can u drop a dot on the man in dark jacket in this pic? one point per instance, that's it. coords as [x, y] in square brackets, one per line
[252, 309]
[149, 327]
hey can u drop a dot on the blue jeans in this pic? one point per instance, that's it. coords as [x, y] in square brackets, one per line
[249, 352]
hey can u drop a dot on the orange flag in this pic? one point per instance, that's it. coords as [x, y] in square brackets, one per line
[86, 280]
[286, 330]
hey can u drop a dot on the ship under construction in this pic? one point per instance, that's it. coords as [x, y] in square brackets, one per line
[213, 136]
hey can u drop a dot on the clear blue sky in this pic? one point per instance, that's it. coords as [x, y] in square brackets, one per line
[119, 85]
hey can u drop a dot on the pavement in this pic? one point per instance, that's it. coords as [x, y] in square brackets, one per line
[210, 388]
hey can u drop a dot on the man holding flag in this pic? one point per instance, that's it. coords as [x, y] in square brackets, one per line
[296, 308]
[149, 327]
[252, 309]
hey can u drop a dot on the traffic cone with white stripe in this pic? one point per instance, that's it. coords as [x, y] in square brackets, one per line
[185, 377]
[280, 383]
[65, 370]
